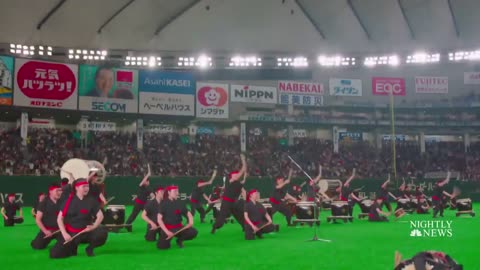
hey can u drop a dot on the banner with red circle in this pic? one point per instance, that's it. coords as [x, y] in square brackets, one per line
[43, 84]
[212, 100]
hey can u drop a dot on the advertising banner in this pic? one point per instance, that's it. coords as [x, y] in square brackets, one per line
[108, 89]
[345, 87]
[253, 94]
[212, 100]
[300, 93]
[97, 126]
[350, 136]
[42, 84]
[471, 77]
[382, 86]
[167, 93]
[6, 80]
[161, 129]
[431, 85]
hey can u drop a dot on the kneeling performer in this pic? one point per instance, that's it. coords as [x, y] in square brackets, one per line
[46, 218]
[170, 220]
[75, 222]
[257, 220]
[150, 214]
[376, 213]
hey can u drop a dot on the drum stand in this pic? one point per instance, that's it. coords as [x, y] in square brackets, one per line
[315, 236]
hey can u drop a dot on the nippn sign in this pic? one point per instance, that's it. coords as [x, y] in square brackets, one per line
[253, 94]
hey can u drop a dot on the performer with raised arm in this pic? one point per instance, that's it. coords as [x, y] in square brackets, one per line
[438, 196]
[169, 219]
[150, 214]
[385, 194]
[214, 197]
[75, 221]
[46, 218]
[230, 196]
[257, 220]
[280, 196]
[312, 189]
[142, 197]
[197, 194]
[344, 189]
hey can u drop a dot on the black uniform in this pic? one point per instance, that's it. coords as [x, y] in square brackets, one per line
[77, 215]
[10, 211]
[437, 199]
[142, 198]
[374, 215]
[213, 197]
[49, 211]
[311, 193]
[256, 213]
[297, 194]
[94, 192]
[420, 207]
[172, 212]
[196, 201]
[66, 191]
[352, 202]
[279, 205]
[383, 193]
[151, 209]
[35, 207]
[228, 207]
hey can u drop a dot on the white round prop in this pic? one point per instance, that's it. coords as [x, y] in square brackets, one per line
[81, 168]
[328, 185]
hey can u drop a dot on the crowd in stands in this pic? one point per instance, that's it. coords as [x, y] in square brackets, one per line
[45, 150]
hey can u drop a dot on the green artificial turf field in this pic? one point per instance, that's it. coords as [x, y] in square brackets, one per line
[360, 244]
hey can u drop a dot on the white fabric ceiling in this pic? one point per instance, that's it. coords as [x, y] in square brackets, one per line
[247, 26]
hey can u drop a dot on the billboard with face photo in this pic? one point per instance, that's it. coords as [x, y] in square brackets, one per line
[108, 89]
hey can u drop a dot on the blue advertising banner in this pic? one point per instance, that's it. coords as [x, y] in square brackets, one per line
[166, 93]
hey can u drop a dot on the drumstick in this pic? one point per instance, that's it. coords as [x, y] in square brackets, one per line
[264, 225]
[109, 200]
[71, 239]
[296, 164]
[179, 231]
[55, 232]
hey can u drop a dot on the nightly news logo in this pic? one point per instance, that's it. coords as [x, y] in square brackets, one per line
[431, 228]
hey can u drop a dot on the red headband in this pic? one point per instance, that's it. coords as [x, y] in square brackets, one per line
[232, 173]
[11, 195]
[53, 187]
[159, 189]
[81, 183]
[250, 194]
[171, 188]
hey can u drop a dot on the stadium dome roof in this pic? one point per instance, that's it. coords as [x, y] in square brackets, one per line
[247, 26]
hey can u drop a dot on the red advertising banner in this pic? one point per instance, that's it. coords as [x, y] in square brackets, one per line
[382, 86]
[44, 84]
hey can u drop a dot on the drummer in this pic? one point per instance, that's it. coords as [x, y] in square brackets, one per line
[312, 189]
[257, 220]
[345, 192]
[150, 213]
[46, 218]
[376, 214]
[385, 194]
[9, 210]
[214, 198]
[422, 206]
[438, 197]
[142, 196]
[197, 195]
[40, 198]
[280, 196]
